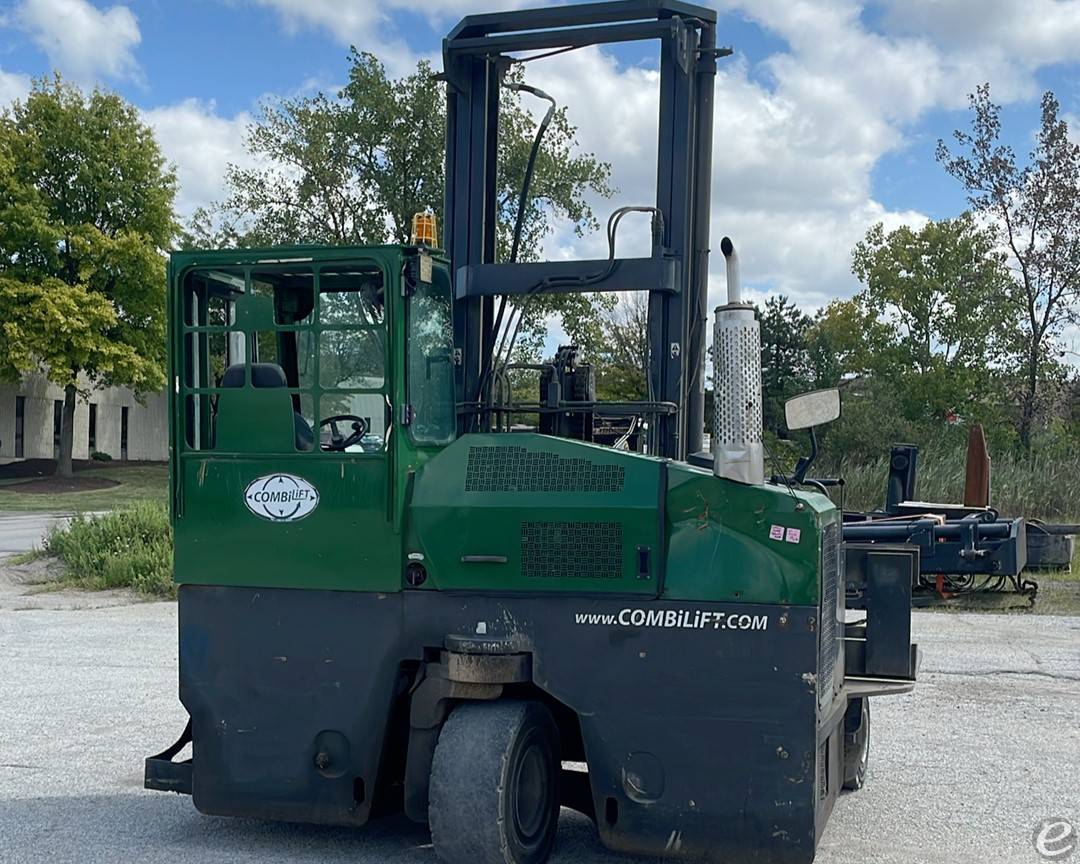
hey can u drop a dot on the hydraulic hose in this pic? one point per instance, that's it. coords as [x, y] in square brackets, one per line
[530, 168]
[523, 201]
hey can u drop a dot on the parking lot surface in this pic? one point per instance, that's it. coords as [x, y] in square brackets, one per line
[22, 531]
[961, 770]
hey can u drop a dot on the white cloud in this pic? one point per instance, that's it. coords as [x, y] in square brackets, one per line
[13, 85]
[84, 42]
[791, 166]
[371, 26]
[798, 136]
[1032, 33]
[201, 143]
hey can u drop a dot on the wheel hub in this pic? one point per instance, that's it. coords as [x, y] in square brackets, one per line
[531, 789]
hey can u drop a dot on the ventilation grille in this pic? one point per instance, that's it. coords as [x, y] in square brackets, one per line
[515, 469]
[571, 550]
[830, 610]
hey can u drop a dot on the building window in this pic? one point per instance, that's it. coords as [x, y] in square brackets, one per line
[91, 429]
[20, 414]
[124, 433]
[57, 425]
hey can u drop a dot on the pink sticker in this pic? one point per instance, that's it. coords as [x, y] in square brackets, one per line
[793, 535]
[776, 532]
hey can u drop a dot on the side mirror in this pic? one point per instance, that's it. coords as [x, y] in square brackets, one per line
[812, 409]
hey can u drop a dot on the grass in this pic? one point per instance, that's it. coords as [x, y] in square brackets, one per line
[128, 548]
[1037, 487]
[26, 557]
[138, 484]
[1059, 591]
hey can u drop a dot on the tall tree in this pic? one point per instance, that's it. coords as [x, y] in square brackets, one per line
[1036, 212]
[940, 288]
[86, 208]
[941, 295]
[354, 168]
[785, 358]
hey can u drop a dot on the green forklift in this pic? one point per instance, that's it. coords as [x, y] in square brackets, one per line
[393, 599]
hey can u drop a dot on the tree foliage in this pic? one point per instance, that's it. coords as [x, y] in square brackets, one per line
[934, 315]
[1035, 210]
[939, 289]
[86, 207]
[786, 367]
[621, 354]
[920, 347]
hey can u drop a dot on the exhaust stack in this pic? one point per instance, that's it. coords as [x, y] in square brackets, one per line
[738, 453]
[731, 260]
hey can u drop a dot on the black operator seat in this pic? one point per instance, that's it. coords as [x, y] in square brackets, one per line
[270, 375]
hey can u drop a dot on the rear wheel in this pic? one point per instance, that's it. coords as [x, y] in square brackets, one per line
[494, 796]
[856, 743]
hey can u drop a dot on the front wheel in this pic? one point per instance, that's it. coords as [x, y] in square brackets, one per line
[856, 743]
[494, 794]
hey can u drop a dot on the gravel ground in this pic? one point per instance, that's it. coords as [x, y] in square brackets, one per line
[962, 769]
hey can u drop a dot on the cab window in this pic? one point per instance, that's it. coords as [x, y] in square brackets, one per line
[316, 334]
[430, 348]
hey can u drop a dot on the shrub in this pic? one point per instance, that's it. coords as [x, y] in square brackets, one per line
[130, 548]
[99, 456]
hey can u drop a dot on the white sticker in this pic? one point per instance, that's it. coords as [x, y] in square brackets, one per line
[281, 497]
[794, 535]
[776, 532]
[425, 267]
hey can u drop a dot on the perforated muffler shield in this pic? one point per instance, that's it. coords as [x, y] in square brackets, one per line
[737, 449]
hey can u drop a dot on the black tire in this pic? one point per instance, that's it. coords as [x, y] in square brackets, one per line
[856, 743]
[494, 795]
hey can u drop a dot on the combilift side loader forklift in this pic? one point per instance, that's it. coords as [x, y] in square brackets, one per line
[386, 602]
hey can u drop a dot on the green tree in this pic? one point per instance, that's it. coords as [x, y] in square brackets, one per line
[921, 343]
[847, 340]
[621, 354]
[353, 169]
[940, 288]
[940, 294]
[785, 358]
[86, 208]
[1035, 210]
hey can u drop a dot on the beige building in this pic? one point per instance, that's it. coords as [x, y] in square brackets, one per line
[112, 422]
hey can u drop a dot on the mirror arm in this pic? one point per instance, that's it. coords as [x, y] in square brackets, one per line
[806, 461]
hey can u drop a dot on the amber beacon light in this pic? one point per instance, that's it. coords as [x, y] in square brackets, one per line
[423, 229]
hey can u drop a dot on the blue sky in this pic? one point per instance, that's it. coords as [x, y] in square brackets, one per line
[827, 117]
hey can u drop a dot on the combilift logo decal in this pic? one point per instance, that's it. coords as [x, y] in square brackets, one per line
[674, 619]
[281, 497]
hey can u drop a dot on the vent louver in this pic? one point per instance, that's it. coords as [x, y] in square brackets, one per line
[830, 611]
[571, 550]
[515, 469]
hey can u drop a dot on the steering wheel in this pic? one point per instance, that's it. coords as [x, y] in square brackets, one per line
[338, 442]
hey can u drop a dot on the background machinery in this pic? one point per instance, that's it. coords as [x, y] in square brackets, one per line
[966, 550]
[387, 602]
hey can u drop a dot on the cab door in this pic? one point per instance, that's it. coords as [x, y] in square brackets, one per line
[282, 407]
